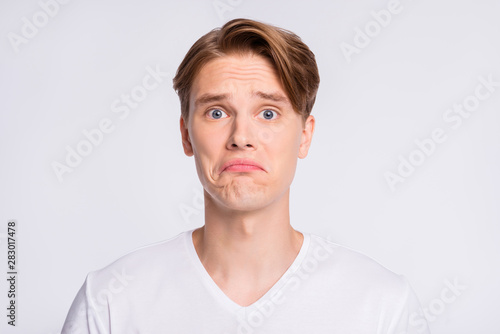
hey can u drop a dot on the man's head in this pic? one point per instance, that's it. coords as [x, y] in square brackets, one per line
[246, 92]
[291, 58]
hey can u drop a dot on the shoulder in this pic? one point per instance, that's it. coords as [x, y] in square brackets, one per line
[353, 268]
[139, 264]
[351, 281]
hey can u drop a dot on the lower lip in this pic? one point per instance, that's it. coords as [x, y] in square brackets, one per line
[241, 168]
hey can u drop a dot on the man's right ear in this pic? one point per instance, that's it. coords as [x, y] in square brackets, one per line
[186, 141]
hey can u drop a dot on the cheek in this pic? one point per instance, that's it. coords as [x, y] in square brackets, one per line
[206, 147]
[285, 151]
[203, 140]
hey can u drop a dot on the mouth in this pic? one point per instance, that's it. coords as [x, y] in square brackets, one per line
[241, 165]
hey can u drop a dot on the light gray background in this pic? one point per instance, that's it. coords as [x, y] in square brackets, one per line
[441, 224]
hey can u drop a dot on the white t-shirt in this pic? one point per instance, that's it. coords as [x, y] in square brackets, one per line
[164, 288]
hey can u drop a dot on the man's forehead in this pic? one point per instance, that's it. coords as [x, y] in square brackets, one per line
[223, 77]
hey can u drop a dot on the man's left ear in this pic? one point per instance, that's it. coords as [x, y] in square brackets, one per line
[306, 139]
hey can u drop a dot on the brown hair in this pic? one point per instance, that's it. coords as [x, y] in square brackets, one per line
[292, 59]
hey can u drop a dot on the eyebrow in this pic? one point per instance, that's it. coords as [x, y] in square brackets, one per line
[210, 98]
[275, 97]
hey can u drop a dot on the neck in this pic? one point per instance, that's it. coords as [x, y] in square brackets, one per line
[247, 245]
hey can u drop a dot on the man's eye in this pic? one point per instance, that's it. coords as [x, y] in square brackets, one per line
[268, 113]
[216, 113]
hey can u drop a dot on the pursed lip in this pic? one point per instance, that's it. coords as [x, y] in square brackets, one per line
[247, 162]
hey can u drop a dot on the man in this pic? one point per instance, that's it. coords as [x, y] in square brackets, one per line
[246, 92]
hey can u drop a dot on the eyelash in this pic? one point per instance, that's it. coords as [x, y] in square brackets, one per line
[274, 111]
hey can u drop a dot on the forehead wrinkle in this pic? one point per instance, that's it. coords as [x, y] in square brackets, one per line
[237, 69]
[237, 75]
[240, 74]
[248, 76]
[263, 92]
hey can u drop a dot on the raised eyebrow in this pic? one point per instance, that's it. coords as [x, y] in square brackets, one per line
[275, 97]
[210, 98]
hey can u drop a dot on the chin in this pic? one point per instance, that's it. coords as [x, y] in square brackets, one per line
[247, 205]
[242, 198]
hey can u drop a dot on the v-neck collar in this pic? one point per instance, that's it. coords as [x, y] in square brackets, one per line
[220, 295]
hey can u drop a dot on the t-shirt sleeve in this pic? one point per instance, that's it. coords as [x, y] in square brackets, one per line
[82, 317]
[409, 318]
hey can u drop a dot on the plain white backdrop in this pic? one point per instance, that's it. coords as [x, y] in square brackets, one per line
[393, 73]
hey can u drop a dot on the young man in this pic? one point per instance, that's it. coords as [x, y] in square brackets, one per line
[246, 92]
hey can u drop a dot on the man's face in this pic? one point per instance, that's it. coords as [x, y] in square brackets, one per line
[239, 110]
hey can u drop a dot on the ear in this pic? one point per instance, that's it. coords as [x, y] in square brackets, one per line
[186, 141]
[306, 137]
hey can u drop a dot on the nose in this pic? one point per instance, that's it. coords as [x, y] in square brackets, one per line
[242, 134]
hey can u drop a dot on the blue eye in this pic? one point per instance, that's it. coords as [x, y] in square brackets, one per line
[216, 113]
[268, 113]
